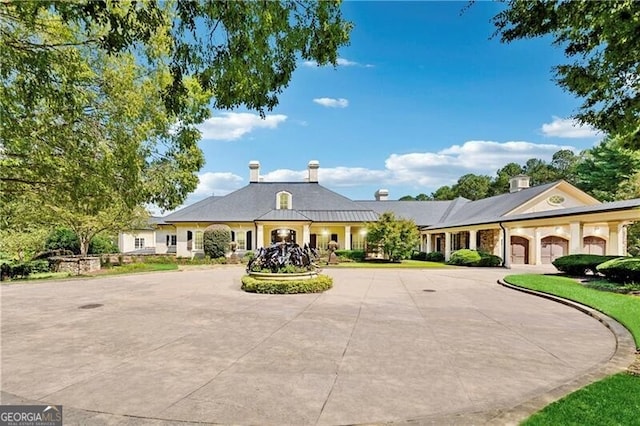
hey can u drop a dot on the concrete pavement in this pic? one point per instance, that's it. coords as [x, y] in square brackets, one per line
[416, 346]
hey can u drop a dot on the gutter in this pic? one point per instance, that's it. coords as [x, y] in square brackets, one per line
[504, 245]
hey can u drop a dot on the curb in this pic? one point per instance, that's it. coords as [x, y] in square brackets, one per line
[623, 356]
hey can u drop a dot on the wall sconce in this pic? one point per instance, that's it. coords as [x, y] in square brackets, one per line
[558, 230]
[596, 230]
[363, 232]
[325, 232]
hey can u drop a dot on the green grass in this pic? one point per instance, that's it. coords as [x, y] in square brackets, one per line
[614, 400]
[139, 267]
[405, 264]
[623, 308]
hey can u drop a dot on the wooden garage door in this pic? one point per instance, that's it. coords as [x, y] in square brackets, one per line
[553, 248]
[519, 250]
[595, 245]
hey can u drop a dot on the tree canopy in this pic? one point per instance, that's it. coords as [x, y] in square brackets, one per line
[602, 39]
[397, 237]
[100, 101]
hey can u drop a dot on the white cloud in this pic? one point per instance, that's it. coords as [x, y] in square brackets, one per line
[345, 62]
[230, 126]
[285, 175]
[216, 183]
[329, 176]
[480, 157]
[569, 128]
[332, 102]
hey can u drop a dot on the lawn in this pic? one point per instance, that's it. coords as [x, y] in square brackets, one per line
[405, 264]
[610, 401]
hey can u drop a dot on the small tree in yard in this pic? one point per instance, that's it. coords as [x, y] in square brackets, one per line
[396, 237]
[216, 241]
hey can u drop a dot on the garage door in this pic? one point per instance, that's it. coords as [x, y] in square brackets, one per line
[594, 245]
[519, 251]
[553, 248]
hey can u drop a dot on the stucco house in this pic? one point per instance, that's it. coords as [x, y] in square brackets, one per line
[532, 225]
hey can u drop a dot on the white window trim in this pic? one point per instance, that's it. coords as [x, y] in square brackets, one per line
[289, 200]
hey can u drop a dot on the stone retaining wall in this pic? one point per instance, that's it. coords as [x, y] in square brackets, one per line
[75, 265]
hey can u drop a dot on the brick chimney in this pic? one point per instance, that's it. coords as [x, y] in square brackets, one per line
[382, 195]
[254, 171]
[313, 171]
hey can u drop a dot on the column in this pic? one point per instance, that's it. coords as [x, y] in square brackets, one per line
[472, 239]
[506, 247]
[306, 234]
[575, 238]
[259, 236]
[447, 245]
[347, 237]
[537, 244]
[622, 239]
[612, 245]
[427, 247]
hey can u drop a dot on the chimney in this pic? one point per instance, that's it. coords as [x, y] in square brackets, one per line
[382, 195]
[254, 171]
[518, 183]
[313, 171]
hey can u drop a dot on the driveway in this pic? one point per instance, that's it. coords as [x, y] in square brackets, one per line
[420, 346]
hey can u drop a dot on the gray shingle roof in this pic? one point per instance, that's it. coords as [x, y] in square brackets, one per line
[289, 215]
[598, 208]
[259, 198]
[423, 213]
[340, 215]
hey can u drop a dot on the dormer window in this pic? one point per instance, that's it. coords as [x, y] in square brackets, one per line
[283, 200]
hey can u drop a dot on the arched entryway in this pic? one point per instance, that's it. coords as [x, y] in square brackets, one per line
[552, 248]
[594, 245]
[283, 235]
[519, 250]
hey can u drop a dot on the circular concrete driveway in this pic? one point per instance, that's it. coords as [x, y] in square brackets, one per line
[381, 346]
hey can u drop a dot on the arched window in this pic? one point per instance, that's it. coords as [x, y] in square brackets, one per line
[283, 200]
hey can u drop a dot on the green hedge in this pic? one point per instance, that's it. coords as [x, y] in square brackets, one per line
[468, 257]
[434, 256]
[311, 285]
[622, 270]
[22, 269]
[580, 264]
[355, 255]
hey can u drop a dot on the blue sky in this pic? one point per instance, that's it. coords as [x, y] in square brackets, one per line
[421, 96]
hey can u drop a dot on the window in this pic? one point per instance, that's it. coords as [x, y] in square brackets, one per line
[139, 243]
[556, 200]
[240, 240]
[198, 243]
[171, 240]
[283, 200]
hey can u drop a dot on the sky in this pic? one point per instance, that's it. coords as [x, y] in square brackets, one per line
[421, 96]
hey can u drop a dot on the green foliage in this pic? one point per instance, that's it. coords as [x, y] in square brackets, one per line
[216, 242]
[419, 255]
[14, 270]
[472, 187]
[622, 270]
[435, 256]
[22, 243]
[604, 285]
[102, 244]
[464, 257]
[312, 285]
[580, 264]
[63, 239]
[396, 237]
[353, 255]
[602, 40]
[489, 260]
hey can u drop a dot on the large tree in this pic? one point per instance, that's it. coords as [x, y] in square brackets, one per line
[100, 101]
[397, 237]
[602, 39]
[472, 187]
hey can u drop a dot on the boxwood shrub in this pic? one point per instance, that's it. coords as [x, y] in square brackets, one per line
[434, 256]
[468, 257]
[354, 255]
[580, 264]
[623, 270]
[490, 260]
[312, 285]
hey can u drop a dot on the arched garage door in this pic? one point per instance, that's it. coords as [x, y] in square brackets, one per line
[519, 250]
[553, 248]
[595, 245]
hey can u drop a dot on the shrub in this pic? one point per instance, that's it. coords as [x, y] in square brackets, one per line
[312, 285]
[63, 239]
[580, 264]
[16, 270]
[464, 257]
[354, 255]
[622, 270]
[101, 244]
[216, 242]
[39, 266]
[434, 256]
[420, 255]
[490, 260]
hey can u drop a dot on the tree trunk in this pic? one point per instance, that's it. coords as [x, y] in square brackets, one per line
[84, 245]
